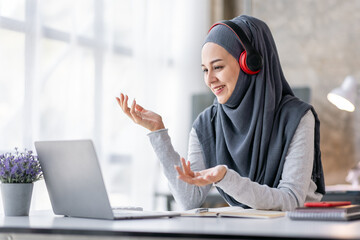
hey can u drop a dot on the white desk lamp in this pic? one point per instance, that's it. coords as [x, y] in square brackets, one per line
[344, 98]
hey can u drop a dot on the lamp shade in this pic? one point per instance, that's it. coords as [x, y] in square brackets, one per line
[344, 97]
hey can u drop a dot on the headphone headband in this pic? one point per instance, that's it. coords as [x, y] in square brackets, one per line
[239, 33]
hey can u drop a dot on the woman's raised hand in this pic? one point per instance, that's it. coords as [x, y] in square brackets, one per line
[201, 178]
[140, 115]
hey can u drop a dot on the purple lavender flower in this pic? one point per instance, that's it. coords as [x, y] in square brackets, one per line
[19, 167]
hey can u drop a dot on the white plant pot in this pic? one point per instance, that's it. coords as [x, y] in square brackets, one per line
[16, 198]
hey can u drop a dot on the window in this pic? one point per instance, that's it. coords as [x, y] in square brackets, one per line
[64, 62]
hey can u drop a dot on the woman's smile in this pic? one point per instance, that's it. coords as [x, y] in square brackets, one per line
[218, 90]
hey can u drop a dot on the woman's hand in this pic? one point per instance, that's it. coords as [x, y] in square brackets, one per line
[139, 115]
[201, 178]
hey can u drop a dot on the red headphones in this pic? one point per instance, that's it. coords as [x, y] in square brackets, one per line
[250, 60]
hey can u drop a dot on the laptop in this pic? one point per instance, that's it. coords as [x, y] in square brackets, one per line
[75, 183]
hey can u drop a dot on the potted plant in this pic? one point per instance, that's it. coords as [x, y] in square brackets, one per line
[18, 172]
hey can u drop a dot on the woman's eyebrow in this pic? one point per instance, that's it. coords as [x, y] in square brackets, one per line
[213, 61]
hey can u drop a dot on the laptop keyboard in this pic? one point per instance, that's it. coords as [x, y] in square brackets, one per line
[127, 213]
[124, 208]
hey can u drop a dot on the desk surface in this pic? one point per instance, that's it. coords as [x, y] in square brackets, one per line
[192, 227]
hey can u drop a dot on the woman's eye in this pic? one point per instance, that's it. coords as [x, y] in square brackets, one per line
[205, 70]
[218, 67]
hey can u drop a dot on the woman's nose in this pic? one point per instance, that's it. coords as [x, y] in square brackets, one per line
[210, 78]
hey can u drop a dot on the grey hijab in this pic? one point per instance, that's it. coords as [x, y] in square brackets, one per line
[252, 131]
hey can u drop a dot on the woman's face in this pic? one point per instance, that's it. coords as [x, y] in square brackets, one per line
[221, 70]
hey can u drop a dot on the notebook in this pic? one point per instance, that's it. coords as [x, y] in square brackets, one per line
[338, 213]
[75, 183]
[233, 211]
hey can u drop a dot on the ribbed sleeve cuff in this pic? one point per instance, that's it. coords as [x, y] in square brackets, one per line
[159, 139]
[227, 181]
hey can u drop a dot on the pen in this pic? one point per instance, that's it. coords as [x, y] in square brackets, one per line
[201, 210]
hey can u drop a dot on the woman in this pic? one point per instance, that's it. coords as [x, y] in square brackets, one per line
[258, 144]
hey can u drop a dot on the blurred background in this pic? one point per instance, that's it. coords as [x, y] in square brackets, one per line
[62, 63]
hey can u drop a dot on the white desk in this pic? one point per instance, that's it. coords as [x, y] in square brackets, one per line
[47, 226]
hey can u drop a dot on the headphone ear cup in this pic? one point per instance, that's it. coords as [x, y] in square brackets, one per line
[244, 66]
[242, 62]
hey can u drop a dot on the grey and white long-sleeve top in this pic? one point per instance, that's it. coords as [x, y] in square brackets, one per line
[295, 187]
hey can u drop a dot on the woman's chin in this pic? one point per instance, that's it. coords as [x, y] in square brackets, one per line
[221, 99]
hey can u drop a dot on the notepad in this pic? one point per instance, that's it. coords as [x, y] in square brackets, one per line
[340, 213]
[232, 212]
